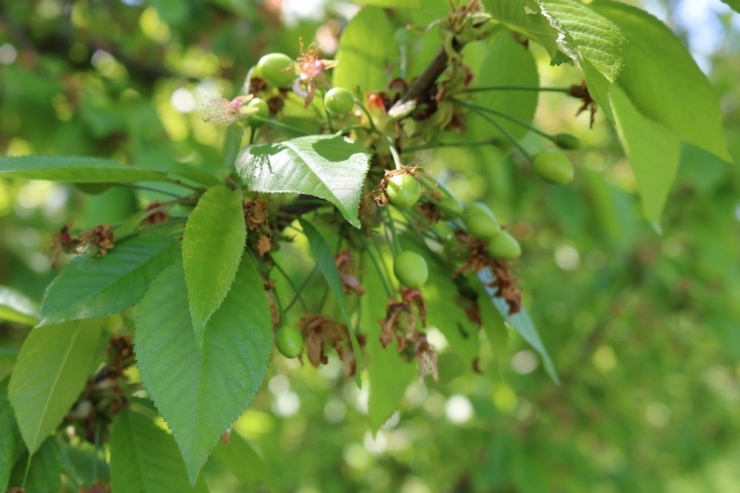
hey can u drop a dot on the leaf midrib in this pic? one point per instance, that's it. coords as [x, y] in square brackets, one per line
[45, 408]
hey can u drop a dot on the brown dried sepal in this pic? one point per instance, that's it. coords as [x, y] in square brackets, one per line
[581, 92]
[100, 487]
[269, 285]
[347, 270]
[401, 324]
[100, 237]
[506, 283]
[256, 218]
[63, 241]
[158, 213]
[320, 332]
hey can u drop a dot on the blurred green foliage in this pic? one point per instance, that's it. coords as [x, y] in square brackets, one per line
[644, 329]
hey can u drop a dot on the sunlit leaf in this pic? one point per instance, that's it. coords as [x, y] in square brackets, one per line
[325, 166]
[663, 82]
[74, 170]
[212, 246]
[653, 151]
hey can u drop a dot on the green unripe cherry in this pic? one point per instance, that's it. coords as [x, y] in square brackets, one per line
[338, 101]
[567, 141]
[277, 69]
[263, 111]
[403, 190]
[410, 269]
[504, 247]
[480, 221]
[553, 167]
[289, 341]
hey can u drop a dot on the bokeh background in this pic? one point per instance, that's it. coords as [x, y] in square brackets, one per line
[644, 328]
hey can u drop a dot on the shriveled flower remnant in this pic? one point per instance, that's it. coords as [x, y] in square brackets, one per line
[223, 112]
[311, 73]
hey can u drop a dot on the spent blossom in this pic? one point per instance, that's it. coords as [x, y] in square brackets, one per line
[311, 71]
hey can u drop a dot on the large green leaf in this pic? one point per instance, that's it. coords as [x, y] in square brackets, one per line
[568, 27]
[508, 63]
[328, 268]
[593, 42]
[10, 437]
[240, 458]
[201, 391]
[44, 474]
[92, 287]
[50, 373]
[734, 4]
[521, 322]
[653, 152]
[212, 246]
[16, 307]
[388, 374]
[145, 459]
[663, 82]
[329, 167]
[74, 170]
[366, 49]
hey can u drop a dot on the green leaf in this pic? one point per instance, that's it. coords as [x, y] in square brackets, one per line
[50, 373]
[74, 170]
[16, 307]
[367, 47]
[531, 23]
[328, 268]
[508, 63]
[92, 287]
[44, 475]
[240, 458]
[568, 29]
[653, 152]
[200, 392]
[734, 4]
[593, 42]
[329, 167]
[212, 246]
[388, 374]
[10, 437]
[392, 4]
[521, 322]
[663, 82]
[145, 459]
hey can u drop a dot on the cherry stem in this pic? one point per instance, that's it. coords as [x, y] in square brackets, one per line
[278, 125]
[394, 152]
[382, 272]
[439, 145]
[516, 120]
[564, 90]
[493, 122]
[395, 244]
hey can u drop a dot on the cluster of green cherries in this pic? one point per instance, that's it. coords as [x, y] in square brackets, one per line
[404, 190]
